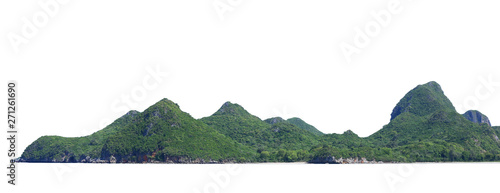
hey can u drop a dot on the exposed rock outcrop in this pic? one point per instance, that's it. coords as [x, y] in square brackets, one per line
[476, 117]
[333, 160]
[112, 159]
[274, 120]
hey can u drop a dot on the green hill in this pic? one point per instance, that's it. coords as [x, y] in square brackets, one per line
[161, 132]
[303, 125]
[426, 117]
[285, 135]
[73, 149]
[423, 100]
[235, 122]
[424, 127]
[348, 139]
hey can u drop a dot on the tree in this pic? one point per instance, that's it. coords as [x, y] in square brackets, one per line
[264, 155]
[291, 156]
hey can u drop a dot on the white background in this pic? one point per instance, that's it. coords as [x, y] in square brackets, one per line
[275, 58]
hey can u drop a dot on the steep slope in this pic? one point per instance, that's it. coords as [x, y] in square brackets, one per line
[426, 115]
[476, 117]
[423, 100]
[497, 130]
[162, 132]
[303, 125]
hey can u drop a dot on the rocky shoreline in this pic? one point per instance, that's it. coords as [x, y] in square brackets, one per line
[186, 160]
[333, 160]
[143, 159]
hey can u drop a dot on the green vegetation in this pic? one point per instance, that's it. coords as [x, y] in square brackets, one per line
[303, 125]
[497, 130]
[430, 123]
[49, 148]
[271, 134]
[423, 100]
[424, 127]
[235, 122]
[161, 130]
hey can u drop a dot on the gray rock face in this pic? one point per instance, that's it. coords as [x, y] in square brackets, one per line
[333, 160]
[274, 120]
[476, 117]
[112, 159]
[132, 113]
[329, 159]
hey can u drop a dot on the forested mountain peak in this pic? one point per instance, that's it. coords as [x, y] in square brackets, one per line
[233, 109]
[423, 100]
[303, 125]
